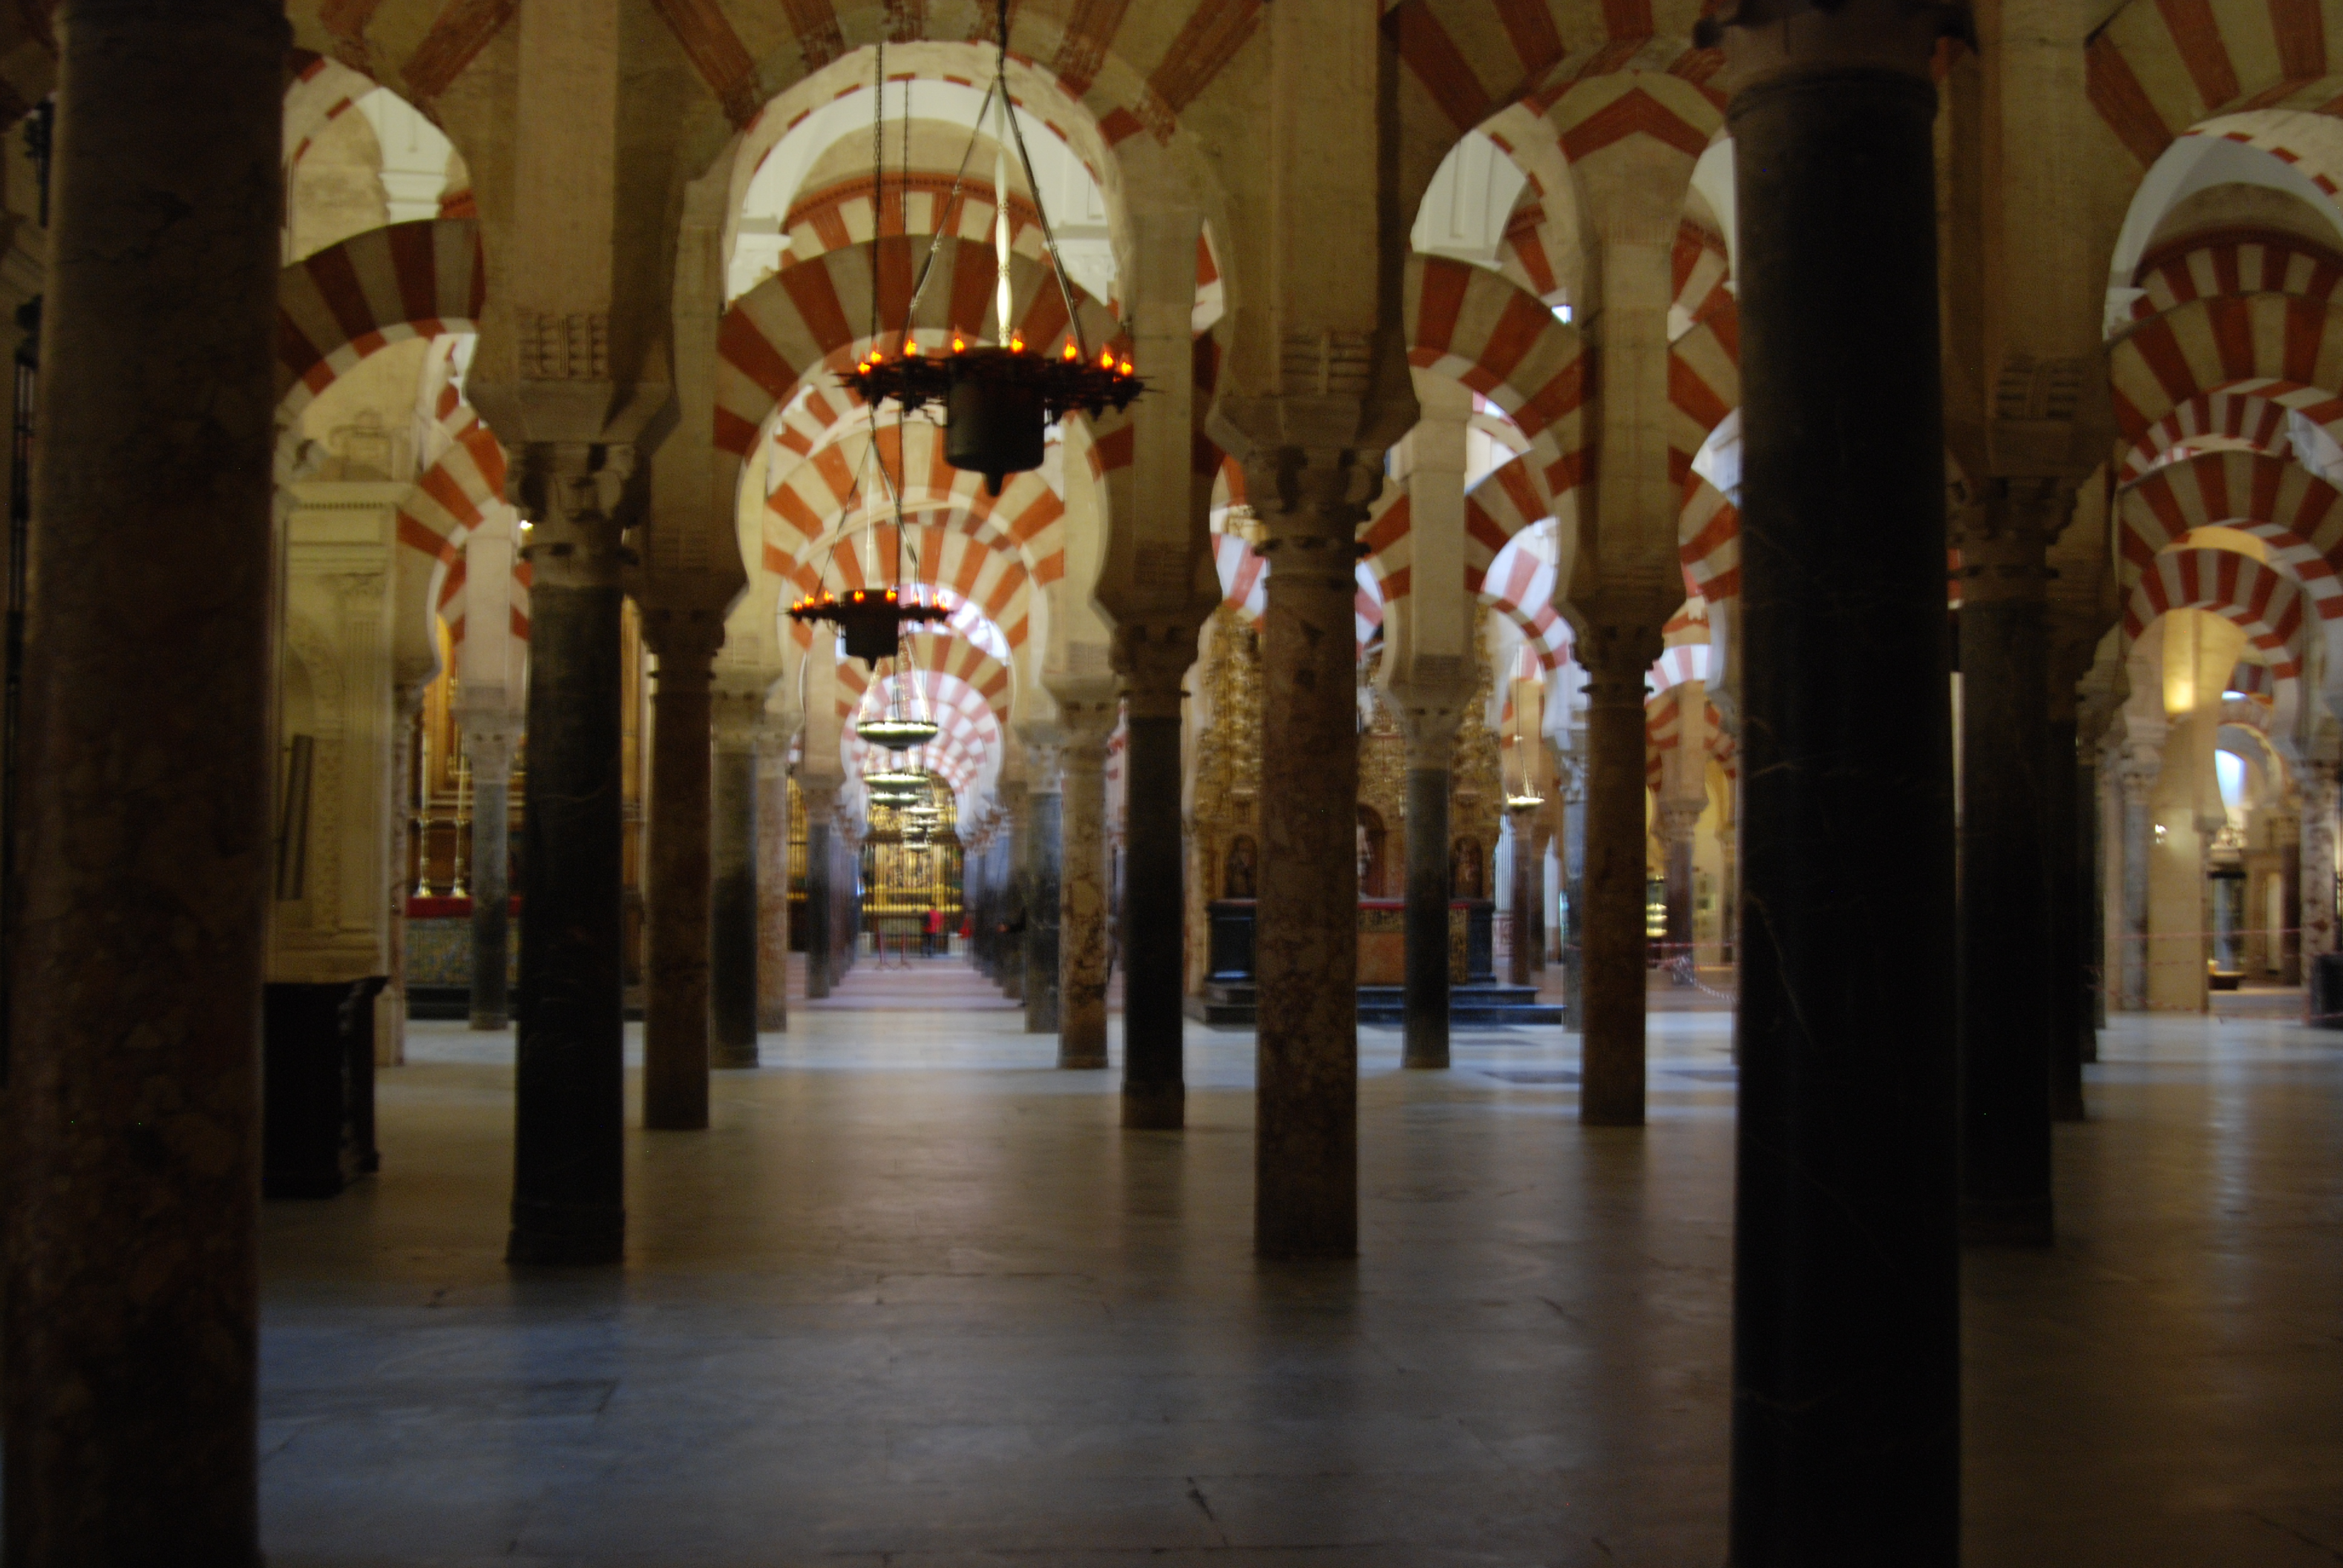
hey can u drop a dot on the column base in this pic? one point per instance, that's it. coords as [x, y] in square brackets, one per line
[1069, 1061]
[491, 1022]
[773, 1022]
[1425, 1061]
[2025, 1222]
[733, 1060]
[566, 1236]
[1155, 1107]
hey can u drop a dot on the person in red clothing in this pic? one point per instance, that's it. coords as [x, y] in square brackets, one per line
[931, 929]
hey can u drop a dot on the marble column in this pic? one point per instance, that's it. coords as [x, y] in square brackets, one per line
[1082, 899]
[1044, 865]
[732, 933]
[1523, 893]
[568, 1099]
[1846, 1345]
[1541, 844]
[391, 1026]
[2316, 883]
[1571, 769]
[1679, 819]
[2135, 777]
[771, 850]
[132, 1137]
[1015, 915]
[2004, 954]
[680, 887]
[1306, 944]
[1430, 755]
[488, 743]
[1154, 662]
[821, 796]
[1611, 933]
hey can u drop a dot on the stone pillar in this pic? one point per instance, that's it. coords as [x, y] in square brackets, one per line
[1430, 757]
[1679, 819]
[1523, 893]
[1044, 864]
[1016, 886]
[771, 852]
[1846, 1348]
[1540, 843]
[2317, 882]
[1306, 944]
[676, 897]
[1611, 933]
[488, 742]
[2069, 868]
[390, 1018]
[821, 796]
[1571, 771]
[2006, 784]
[568, 1172]
[2135, 777]
[1153, 660]
[732, 923]
[132, 1118]
[1089, 710]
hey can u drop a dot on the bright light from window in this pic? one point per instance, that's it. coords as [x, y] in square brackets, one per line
[1563, 313]
[2230, 770]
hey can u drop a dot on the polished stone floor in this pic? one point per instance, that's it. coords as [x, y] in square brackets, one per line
[915, 1300]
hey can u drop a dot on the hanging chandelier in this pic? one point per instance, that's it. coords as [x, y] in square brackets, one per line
[996, 400]
[893, 779]
[870, 621]
[904, 721]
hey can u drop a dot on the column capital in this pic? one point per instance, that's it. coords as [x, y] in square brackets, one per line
[739, 720]
[569, 495]
[1678, 817]
[1089, 707]
[1618, 643]
[1153, 658]
[1768, 42]
[490, 740]
[821, 794]
[685, 637]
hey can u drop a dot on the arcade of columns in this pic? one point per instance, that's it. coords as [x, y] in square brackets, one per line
[1625, 482]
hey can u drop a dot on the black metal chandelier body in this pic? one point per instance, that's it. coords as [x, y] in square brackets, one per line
[870, 621]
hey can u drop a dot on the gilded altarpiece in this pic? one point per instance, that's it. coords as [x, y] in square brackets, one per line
[1223, 835]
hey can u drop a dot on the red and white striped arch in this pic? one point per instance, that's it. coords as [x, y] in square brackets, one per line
[1501, 509]
[386, 286]
[2154, 71]
[1472, 326]
[2255, 262]
[2252, 415]
[1027, 518]
[1704, 386]
[1708, 537]
[2232, 343]
[2300, 515]
[1701, 271]
[1243, 573]
[1520, 585]
[839, 215]
[2257, 598]
[968, 731]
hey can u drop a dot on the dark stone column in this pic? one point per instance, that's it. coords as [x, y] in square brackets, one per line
[489, 745]
[1522, 893]
[2136, 780]
[1540, 840]
[820, 797]
[678, 898]
[131, 1139]
[732, 992]
[2091, 854]
[1424, 1008]
[569, 1174]
[2008, 790]
[1678, 821]
[2068, 1018]
[1016, 886]
[1306, 945]
[1044, 860]
[1611, 931]
[1846, 1347]
[1153, 660]
[770, 858]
